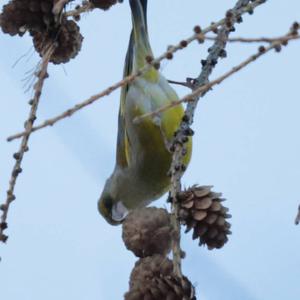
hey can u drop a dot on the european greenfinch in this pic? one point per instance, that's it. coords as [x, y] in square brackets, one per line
[143, 156]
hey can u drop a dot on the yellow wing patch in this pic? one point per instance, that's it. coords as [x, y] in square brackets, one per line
[127, 148]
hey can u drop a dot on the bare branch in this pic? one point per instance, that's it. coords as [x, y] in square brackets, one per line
[18, 156]
[177, 168]
[171, 50]
[198, 92]
[71, 111]
[281, 39]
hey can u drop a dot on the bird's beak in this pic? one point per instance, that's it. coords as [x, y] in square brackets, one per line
[119, 212]
[111, 221]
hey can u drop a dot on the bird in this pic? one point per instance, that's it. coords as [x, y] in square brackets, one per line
[143, 156]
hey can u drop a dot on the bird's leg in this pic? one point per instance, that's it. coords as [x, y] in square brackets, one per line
[58, 6]
[297, 220]
[189, 83]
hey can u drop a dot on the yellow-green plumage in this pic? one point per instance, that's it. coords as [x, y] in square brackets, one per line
[143, 156]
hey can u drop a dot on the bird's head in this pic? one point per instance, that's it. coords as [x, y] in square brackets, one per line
[112, 209]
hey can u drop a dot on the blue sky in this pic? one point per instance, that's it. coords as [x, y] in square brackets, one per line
[246, 144]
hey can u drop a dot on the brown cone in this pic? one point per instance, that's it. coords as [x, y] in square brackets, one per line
[147, 231]
[153, 279]
[202, 210]
[103, 4]
[67, 38]
[19, 15]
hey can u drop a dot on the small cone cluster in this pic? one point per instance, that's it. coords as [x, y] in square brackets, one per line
[103, 4]
[36, 17]
[202, 210]
[153, 279]
[19, 15]
[147, 232]
[68, 42]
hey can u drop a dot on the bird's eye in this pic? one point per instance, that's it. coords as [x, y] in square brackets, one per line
[107, 201]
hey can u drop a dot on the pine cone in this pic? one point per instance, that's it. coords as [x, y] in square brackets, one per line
[103, 4]
[153, 279]
[68, 40]
[147, 231]
[18, 16]
[202, 210]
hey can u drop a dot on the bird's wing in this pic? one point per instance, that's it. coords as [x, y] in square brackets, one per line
[123, 145]
[139, 9]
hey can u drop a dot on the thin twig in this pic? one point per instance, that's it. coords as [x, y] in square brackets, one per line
[281, 39]
[205, 88]
[18, 156]
[297, 220]
[77, 107]
[128, 79]
[187, 83]
[84, 8]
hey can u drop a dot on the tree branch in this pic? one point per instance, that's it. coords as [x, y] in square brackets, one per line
[177, 168]
[198, 92]
[18, 156]
[281, 39]
[198, 35]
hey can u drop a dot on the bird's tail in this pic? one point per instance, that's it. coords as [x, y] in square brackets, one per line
[140, 33]
[129, 56]
[144, 6]
[139, 16]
